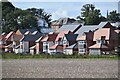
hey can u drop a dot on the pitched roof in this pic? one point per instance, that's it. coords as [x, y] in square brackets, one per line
[60, 47]
[52, 37]
[102, 32]
[9, 34]
[71, 37]
[72, 46]
[17, 37]
[98, 46]
[117, 31]
[23, 31]
[49, 37]
[33, 47]
[31, 37]
[39, 39]
[61, 34]
[2, 37]
[45, 39]
[86, 28]
[102, 24]
[69, 27]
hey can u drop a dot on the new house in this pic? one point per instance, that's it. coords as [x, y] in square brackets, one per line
[28, 41]
[48, 41]
[105, 41]
[58, 47]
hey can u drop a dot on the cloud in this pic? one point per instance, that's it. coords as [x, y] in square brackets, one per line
[59, 13]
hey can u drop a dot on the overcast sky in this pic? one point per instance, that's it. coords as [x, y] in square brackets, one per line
[66, 9]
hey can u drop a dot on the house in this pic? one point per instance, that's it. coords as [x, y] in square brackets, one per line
[44, 27]
[88, 28]
[84, 42]
[28, 41]
[60, 35]
[9, 42]
[105, 41]
[58, 47]
[69, 27]
[48, 41]
[85, 37]
[55, 25]
[68, 40]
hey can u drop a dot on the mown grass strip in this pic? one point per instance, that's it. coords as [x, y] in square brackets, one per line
[56, 56]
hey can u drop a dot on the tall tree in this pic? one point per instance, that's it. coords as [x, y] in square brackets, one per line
[14, 18]
[7, 7]
[40, 13]
[19, 19]
[114, 16]
[90, 15]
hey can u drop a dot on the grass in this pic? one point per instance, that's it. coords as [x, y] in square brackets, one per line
[57, 56]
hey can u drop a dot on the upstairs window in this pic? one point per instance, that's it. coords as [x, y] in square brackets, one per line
[82, 42]
[100, 41]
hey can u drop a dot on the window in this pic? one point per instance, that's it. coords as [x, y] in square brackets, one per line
[82, 42]
[82, 50]
[56, 43]
[100, 41]
[45, 47]
[64, 42]
[103, 41]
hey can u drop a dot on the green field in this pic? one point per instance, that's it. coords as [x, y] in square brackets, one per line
[46, 56]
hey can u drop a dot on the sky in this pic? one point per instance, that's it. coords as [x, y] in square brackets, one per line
[66, 9]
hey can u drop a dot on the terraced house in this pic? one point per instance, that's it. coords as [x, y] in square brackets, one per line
[69, 39]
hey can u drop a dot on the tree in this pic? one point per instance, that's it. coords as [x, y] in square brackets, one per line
[41, 14]
[91, 15]
[19, 19]
[81, 20]
[14, 18]
[7, 7]
[114, 16]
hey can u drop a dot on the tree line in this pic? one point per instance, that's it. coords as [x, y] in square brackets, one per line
[92, 16]
[14, 18]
